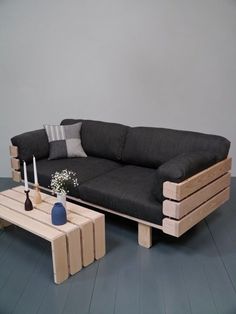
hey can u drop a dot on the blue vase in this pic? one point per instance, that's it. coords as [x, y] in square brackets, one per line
[58, 214]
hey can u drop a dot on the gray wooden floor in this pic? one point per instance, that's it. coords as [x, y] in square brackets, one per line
[194, 274]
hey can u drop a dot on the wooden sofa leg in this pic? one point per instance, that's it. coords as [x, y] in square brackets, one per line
[4, 224]
[144, 235]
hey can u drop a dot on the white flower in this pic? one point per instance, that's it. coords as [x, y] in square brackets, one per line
[62, 181]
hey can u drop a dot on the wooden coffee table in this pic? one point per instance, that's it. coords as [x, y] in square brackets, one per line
[75, 244]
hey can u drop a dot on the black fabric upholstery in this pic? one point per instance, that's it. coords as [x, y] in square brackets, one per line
[126, 166]
[152, 147]
[102, 139]
[180, 168]
[71, 121]
[85, 168]
[126, 190]
[32, 143]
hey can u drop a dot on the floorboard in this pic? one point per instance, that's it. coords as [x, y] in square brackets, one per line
[80, 291]
[34, 292]
[195, 274]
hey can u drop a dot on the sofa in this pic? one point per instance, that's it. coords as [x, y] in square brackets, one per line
[160, 178]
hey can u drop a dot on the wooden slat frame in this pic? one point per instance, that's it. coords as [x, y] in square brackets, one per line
[15, 163]
[85, 225]
[178, 191]
[178, 210]
[4, 224]
[144, 235]
[13, 151]
[16, 176]
[178, 227]
[57, 239]
[15, 201]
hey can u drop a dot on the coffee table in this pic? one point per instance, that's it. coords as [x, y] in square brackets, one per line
[75, 244]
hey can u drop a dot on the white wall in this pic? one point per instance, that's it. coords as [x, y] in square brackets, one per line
[138, 62]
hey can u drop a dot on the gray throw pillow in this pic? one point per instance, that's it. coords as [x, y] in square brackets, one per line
[64, 141]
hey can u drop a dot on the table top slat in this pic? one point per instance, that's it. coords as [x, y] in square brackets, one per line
[27, 223]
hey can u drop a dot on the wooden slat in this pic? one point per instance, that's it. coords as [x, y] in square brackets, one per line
[4, 223]
[59, 259]
[87, 237]
[16, 176]
[98, 220]
[15, 163]
[98, 225]
[144, 235]
[178, 191]
[178, 210]
[85, 225]
[15, 201]
[13, 151]
[179, 227]
[74, 251]
[29, 224]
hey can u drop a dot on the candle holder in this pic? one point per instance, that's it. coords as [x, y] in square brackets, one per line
[28, 203]
[37, 195]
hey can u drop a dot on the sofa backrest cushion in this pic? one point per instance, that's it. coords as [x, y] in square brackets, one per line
[101, 139]
[151, 147]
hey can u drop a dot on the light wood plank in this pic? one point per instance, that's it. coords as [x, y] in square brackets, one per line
[87, 237]
[16, 175]
[57, 238]
[15, 201]
[86, 229]
[59, 259]
[29, 224]
[99, 237]
[74, 251]
[9, 199]
[144, 235]
[98, 220]
[85, 225]
[4, 224]
[178, 210]
[15, 163]
[179, 227]
[13, 151]
[178, 191]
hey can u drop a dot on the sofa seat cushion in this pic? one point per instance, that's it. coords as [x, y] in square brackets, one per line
[127, 190]
[86, 168]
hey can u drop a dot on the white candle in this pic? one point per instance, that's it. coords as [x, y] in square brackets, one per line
[26, 178]
[35, 172]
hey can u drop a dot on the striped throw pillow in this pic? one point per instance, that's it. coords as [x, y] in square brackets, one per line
[64, 141]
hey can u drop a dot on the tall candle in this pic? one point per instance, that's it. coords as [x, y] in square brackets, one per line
[35, 172]
[26, 178]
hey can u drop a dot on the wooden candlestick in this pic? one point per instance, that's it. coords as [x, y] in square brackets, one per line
[37, 195]
[28, 203]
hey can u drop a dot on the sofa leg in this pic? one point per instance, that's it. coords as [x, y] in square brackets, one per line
[144, 235]
[4, 223]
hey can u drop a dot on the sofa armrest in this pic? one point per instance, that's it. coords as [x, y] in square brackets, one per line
[32, 143]
[181, 168]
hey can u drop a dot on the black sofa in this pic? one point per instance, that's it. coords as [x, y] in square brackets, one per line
[127, 168]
